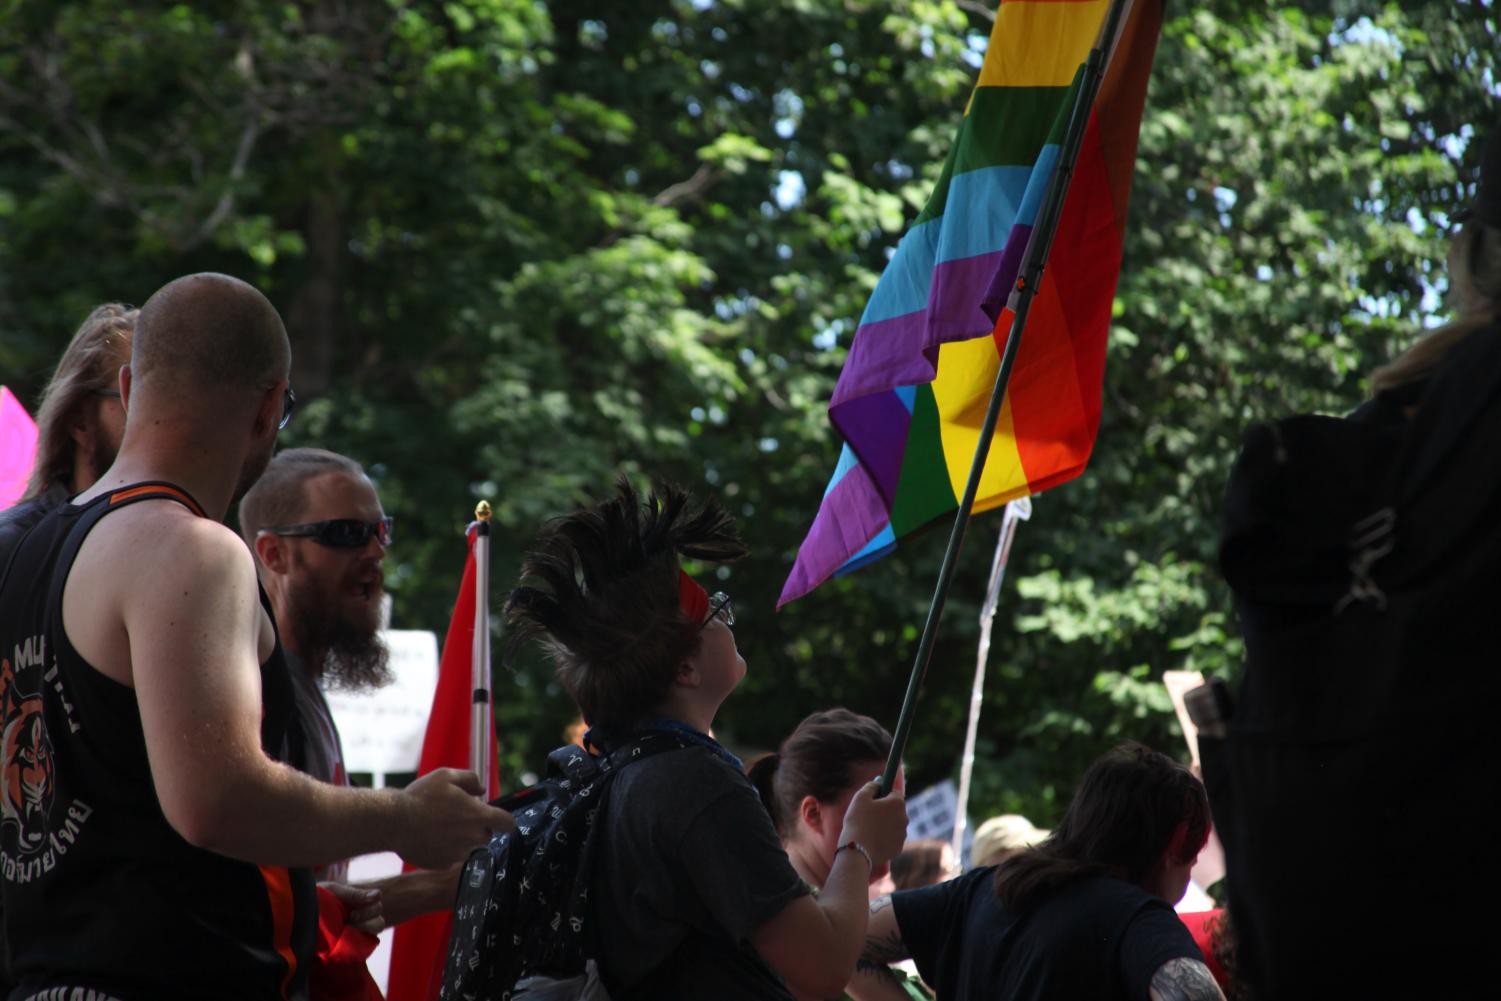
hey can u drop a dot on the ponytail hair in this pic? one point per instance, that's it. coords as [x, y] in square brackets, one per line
[817, 760]
[762, 774]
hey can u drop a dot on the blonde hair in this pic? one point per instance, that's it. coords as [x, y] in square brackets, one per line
[90, 364]
[1475, 295]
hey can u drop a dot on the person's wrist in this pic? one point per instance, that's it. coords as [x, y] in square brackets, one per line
[855, 846]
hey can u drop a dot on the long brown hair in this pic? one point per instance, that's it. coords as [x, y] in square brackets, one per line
[90, 364]
[1474, 293]
[1132, 805]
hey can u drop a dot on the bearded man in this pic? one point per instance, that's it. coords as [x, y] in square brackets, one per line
[319, 535]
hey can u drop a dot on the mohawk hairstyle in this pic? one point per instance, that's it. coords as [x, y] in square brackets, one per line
[604, 602]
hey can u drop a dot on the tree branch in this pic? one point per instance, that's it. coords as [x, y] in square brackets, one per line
[692, 189]
[976, 7]
[226, 202]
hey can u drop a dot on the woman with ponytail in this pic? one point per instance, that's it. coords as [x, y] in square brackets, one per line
[808, 783]
[806, 786]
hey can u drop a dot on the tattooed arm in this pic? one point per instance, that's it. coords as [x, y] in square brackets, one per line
[1184, 980]
[876, 983]
[874, 980]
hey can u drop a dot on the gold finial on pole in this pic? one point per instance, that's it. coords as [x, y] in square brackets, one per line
[482, 511]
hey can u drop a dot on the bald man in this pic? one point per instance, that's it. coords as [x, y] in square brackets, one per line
[152, 848]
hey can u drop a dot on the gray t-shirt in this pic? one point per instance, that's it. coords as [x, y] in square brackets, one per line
[689, 867]
[322, 754]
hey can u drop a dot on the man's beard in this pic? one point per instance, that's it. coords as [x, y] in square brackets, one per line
[356, 658]
[357, 662]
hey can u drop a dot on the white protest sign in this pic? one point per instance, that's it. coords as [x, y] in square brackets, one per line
[382, 730]
[930, 814]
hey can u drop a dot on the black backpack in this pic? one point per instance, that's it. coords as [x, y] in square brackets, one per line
[521, 922]
[1354, 777]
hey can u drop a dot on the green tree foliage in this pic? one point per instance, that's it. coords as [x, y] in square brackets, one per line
[524, 247]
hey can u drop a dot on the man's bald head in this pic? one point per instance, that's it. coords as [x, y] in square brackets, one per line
[208, 333]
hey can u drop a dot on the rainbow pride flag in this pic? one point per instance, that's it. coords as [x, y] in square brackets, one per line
[913, 393]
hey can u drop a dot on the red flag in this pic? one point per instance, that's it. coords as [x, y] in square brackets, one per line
[421, 944]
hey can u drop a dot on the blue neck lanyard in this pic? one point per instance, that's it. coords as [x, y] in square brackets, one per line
[693, 736]
[675, 726]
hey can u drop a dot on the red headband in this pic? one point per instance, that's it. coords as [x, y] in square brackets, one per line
[692, 599]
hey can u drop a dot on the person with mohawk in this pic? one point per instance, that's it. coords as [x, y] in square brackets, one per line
[692, 895]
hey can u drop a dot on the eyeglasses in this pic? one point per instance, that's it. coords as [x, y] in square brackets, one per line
[340, 533]
[113, 394]
[719, 608]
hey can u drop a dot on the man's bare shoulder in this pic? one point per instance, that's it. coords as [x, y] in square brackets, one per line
[164, 530]
[146, 567]
[164, 543]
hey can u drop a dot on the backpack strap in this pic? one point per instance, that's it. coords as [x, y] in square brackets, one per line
[522, 902]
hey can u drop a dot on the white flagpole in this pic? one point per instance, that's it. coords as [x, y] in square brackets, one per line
[482, 719]
[1017, 510]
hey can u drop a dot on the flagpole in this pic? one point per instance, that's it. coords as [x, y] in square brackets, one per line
[482, 719]
[1017, 511]
[1027, 278]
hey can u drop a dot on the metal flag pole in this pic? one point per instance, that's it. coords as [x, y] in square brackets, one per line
[1016, 511]
[482, 719]
[1027, 278]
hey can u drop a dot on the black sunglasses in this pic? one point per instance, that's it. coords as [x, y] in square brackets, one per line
[340, 533]
[719, 608]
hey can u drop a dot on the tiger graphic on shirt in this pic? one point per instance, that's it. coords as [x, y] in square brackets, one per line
[29, 785]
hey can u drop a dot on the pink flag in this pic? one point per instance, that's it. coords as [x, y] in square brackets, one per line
[17, 448]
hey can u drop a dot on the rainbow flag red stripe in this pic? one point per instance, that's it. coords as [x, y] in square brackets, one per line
[912, 396]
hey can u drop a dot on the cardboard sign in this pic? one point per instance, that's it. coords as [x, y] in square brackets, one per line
[1177, 683]
[931, 813]
[1211, 867]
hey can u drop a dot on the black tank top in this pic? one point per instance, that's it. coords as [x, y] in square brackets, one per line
[100, 892]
